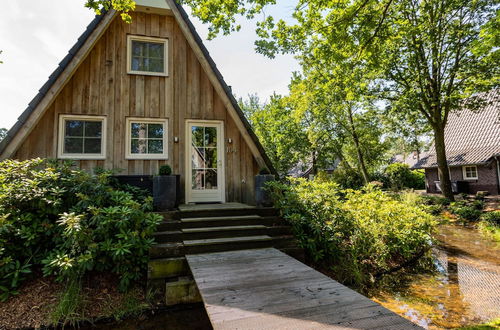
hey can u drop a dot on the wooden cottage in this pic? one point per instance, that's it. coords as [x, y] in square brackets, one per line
[137, 96]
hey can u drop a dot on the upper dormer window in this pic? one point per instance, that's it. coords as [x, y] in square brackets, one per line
[147, 56]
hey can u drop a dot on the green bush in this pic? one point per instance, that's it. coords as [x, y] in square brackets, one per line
[356, 233]
[69, 222]
[165, 170]
[467, 211]
[401, 176]
[492, 217]
[347, 178]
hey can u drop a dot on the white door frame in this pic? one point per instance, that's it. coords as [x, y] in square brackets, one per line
[221, 162]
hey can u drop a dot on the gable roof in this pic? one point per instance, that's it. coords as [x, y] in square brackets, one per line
[92, 32]
[471, 137]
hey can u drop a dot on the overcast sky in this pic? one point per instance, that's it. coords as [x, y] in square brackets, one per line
[36, 35]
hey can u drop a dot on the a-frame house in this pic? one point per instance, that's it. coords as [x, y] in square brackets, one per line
[140, 95]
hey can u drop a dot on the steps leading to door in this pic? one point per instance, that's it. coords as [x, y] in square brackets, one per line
[208, 230]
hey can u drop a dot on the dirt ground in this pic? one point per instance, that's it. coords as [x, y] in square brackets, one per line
[31, 308]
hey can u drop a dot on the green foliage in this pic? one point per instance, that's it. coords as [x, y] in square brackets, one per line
[69, 222]
[68, 310]
[165, 170]
[489, 225]
[467, 211]
[121, 6]
[400, 176]
[355, 233]
[347, 178]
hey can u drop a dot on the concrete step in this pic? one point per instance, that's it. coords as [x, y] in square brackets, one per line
[171, 250]
[167, 268]
[223, 221]
[218, 232]
[265, 212]
[174, 291]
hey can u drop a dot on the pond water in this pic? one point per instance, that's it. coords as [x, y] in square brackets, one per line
[457, 284]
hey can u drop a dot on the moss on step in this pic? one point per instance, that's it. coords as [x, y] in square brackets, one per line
[183, 291]
[165, 268]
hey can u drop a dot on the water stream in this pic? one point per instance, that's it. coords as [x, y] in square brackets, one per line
[457, 284]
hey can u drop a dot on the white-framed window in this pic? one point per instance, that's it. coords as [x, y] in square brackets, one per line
[147, 56]
[146, 138]
[82, 137]
[470, 172]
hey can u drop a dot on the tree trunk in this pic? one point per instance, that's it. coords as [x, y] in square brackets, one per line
[443, 170]
[361, 159]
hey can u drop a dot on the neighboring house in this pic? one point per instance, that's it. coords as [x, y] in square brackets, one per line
[410, 159]
[472, 142]
[138, 96]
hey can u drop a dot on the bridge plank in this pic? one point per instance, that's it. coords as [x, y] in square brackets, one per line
[267, 289]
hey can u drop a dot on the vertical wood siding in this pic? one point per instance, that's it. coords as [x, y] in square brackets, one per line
[101, 86]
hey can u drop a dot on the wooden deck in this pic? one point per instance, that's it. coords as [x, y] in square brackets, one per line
[267, 289]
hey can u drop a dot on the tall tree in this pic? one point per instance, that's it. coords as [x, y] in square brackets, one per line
[431, 56]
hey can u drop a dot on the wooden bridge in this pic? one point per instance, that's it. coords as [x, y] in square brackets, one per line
[267, 289]
[228, 258]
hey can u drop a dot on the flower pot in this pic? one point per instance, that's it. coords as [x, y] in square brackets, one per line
[262, 196]
[164, 192]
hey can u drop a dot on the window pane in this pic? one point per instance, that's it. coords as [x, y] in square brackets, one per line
[210, 136]
[198, 179]
[197, 136]
[155, 131]
[211, 179]
[155, 146]
[155, 65]
[156, 50]
[138, 130]
[93, 128]
[137, 48]
[136, 64]
[211, 157]
[138, 146]
[198, 157]
[92, 146]
[74, 128]
[73, 145]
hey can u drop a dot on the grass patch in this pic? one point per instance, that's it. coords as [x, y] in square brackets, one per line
[69, 308]
[495, 324]
[132, 304]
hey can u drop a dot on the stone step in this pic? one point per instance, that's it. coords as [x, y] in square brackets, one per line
[265, 212]
[167, 268]
[218, 232]
[171, 250]
[174, 291]
[222, 221]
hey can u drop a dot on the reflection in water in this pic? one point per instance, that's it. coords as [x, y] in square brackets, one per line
[457, 284]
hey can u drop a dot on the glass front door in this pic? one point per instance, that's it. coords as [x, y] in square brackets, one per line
[205, 163]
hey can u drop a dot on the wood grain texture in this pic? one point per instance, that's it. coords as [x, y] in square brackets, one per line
[101, 86]
[267, 289]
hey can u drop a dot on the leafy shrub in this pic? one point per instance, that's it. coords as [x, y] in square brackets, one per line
[356, 233]
[490, 225]
[401, 176]
[69, 222]
[492, 217]
[347, 178]
[165, 170]
[467, 211]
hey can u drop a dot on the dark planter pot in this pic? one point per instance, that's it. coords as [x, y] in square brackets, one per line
[164, 192]
[262, 196]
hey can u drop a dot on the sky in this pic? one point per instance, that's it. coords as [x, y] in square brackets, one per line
[36, 35]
